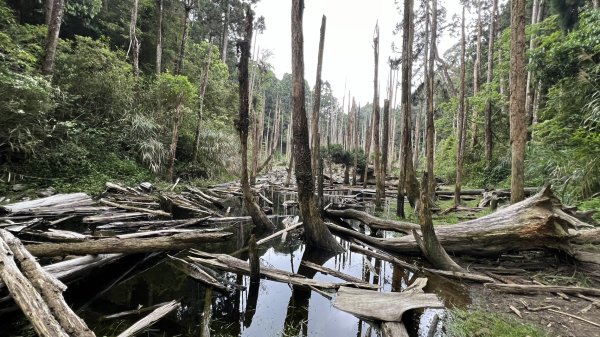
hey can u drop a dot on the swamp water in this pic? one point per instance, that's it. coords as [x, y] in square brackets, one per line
[271, 309]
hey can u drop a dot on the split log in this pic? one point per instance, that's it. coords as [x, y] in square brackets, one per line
[129, 246]
[373, 221]
[49, 287]
[376, 305]
[25, 295]
[541, 289]
[534, 223]
[150, 319]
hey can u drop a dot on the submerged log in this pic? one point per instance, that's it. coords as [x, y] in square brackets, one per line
[373, 221]
[535, 223]
[129, 245]
[150, 319]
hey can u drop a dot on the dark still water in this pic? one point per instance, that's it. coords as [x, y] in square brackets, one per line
[271, 309]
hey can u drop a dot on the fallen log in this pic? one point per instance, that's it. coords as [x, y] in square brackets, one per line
[49, 287]
[541, 289]
[150, 319]
[534, 223]
[129, 246]
[329, 271]
[135, 312]
[196, 273]
[58, 201]
[373, 221]
[136, 209]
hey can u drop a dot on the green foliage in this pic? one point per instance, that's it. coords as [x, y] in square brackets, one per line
[465, 323]
[592, 204]
[445, 163]
[338, 155]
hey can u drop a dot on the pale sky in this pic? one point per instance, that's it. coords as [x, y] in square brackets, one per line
[348, 56]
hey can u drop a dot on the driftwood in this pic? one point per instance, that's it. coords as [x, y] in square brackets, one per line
[131, 245]
[49, 287]
[541, 289]
[150, 319]
[535, 223]
[376, 305]
[228, 263]
[373, 221]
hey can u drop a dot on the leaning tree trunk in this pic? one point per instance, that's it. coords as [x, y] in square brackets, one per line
[317, 102]
[259, 218]
[52, 36]
[535, 223]
[462, 118]
[489, 142]
[201, 94]
[518, 115]
[316, 232]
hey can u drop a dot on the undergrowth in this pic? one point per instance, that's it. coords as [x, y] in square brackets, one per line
[466, 323]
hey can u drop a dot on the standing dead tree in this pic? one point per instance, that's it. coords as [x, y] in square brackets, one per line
[316, 232]
[380, 188]
[315, 141]
[242, 124]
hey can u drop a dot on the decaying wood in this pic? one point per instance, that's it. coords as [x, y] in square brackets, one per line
[135, 209]
[31, 302]
[329, 271]
[376, 305]
[197, 273]
[49, 288]
[373, 221]
[535, 223]
[228, 263]
[131, 245]
[541, 289]
[150, 319]
[135, 312]
[58, 200]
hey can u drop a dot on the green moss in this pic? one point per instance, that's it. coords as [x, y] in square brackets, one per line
[465, 323]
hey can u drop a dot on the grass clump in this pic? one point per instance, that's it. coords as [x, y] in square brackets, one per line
[465, 323]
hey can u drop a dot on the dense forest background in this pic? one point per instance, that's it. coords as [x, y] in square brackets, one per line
[147, 90]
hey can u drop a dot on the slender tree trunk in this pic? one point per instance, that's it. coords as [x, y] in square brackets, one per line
[595, 4]
[48, 11]
[316, 232]
[380, 188]
[420, 113]
[417, 138]
[356, 124]
[259, 218]
[530, 86]
[462, 117]
[134, 44]
[159, 8]
[368, 139]
[184, 36]
[489, 142]
[386, 138]
[225, 34]
[476, 71]
[518, 115]
[430, 138]
[201, 94]
[317, 102]
[406, 179]
[174, 137]
[52, 37]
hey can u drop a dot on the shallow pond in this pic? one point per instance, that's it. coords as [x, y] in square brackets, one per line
[271, 309]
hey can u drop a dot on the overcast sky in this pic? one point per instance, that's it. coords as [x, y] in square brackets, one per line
[348, 56]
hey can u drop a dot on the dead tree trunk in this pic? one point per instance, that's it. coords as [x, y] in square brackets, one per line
[380, 188]
[134, 44]
[489, 142]
[159, 27]
[317, 102]
[518, 115]
[368, 138]
[201, 94]
[52, 37]
[535, 223]
[356, 124]
[430, 138]
[316, 232]
[385, 144]
[462, 117]
[259, 218]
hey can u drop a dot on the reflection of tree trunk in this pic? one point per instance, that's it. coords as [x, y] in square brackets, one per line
[259, 218]
[317, 102]
[206, 313]
[54, 23]
[201, 95]
[316, 232]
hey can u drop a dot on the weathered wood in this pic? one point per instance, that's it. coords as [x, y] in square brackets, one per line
[196, 273]
[131, 245]
[58, 200]
[135, 209]
[25, 295]
[135, 312]
[393, 329]
[373, 221]
[329, 271]
[541, 289]
[535, 223]
[49, 287]
[150, 319]
[376, 305]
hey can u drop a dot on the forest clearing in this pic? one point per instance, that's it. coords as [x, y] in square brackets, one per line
[161, 174]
